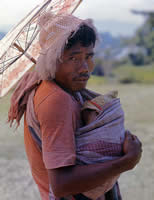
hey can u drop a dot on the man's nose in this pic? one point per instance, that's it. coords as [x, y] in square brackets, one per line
[84, 67]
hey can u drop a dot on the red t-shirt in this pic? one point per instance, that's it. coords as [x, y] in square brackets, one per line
[58, 114]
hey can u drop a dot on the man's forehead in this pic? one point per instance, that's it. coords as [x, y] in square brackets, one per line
[79, 49]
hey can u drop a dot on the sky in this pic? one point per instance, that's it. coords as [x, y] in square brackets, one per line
[108, 15]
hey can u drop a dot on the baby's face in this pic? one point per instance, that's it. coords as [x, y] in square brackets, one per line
[88, 116]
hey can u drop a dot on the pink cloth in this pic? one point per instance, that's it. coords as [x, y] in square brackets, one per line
[29, 82]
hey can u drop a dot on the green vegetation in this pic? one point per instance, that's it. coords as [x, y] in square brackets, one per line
[144, 39]
[131, 74]
[96, 80]
[133, 62]
[126, 74]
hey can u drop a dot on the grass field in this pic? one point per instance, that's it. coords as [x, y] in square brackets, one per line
[138, 184]
[128, 73]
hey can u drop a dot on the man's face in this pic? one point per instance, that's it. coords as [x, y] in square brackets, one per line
[74, 70]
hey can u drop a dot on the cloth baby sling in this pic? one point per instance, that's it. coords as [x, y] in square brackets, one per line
[87, 150]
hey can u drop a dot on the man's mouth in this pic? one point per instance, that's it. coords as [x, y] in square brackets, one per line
[82, 78]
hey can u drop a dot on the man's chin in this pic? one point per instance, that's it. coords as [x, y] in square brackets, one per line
[79, 88]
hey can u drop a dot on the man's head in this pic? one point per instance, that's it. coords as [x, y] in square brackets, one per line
[73, 70]
[67, 46]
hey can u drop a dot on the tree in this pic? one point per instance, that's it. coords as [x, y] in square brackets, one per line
[145, 34]
[98, 70]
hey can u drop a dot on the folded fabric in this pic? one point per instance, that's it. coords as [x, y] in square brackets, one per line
[102, 140]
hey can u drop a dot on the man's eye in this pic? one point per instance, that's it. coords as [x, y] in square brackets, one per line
[72, 58]
[89, 56]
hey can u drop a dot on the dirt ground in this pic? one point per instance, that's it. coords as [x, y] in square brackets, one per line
[137, 184]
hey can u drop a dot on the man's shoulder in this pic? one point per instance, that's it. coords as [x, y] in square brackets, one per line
[50, 91]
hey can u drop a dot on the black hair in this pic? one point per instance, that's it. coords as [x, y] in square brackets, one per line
[85, 36]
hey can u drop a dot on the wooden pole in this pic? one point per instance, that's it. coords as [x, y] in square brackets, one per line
[76, 6]
[25, 53]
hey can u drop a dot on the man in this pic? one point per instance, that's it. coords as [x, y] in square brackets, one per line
[50, 98]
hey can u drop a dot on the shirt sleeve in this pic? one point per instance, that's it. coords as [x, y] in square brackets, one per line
[55, 115]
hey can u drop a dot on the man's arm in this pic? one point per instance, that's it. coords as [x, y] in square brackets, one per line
[80, 178]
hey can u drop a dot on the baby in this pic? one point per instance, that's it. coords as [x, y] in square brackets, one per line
[101, 138]
[91, 109]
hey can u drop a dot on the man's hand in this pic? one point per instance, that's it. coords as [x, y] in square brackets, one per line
[132, 149]
[80, 178]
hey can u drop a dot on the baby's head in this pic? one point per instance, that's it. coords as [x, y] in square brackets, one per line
[88, 115]
[92, 108]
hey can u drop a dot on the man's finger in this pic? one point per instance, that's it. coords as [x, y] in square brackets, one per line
[128, 134]
[138, 141]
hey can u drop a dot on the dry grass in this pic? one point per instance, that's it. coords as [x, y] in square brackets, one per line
[138, 184]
